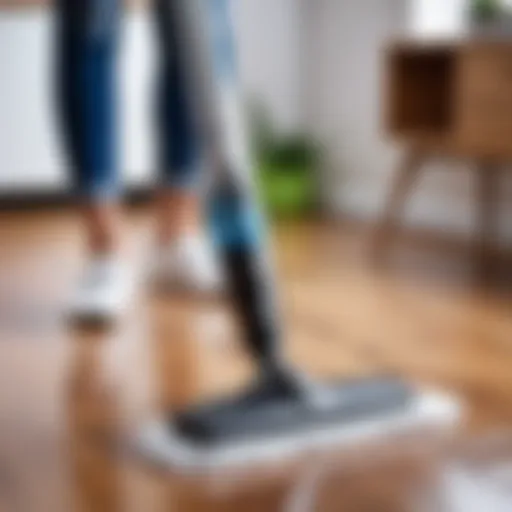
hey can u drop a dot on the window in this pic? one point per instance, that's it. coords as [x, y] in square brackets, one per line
[438, 17]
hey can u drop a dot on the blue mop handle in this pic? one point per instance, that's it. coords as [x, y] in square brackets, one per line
[238, 230]
[234, 217]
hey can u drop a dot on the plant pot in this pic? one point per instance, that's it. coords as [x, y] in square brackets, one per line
[289, 193]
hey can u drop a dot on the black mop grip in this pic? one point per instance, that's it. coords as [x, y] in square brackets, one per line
[240, 243]
[253, 302]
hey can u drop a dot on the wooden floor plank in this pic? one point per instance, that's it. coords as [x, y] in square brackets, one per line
[69, 398]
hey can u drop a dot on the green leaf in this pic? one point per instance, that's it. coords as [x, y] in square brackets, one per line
[486, 10]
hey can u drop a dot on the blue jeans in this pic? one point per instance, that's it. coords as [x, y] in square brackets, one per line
[87, 49]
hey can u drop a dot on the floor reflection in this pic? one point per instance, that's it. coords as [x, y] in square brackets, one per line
[93, 428]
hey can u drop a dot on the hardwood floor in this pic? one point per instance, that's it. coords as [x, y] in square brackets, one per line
[70, 398]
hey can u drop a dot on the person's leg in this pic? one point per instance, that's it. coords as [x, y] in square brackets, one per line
[178, 145]
[86, 54]
[187, 260]
[86, 67]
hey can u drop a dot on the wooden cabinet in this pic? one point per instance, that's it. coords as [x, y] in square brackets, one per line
[452, 97]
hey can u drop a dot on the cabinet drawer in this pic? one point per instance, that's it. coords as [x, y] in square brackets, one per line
[484, 103]
[487, 68]
[487, 129]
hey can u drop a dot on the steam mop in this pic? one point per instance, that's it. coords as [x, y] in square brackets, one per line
[283, 412]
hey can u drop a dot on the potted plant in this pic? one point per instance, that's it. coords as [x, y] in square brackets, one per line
[491, 17]
[286, 168]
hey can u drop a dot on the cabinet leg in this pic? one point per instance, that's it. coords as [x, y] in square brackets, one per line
[487, 199]
[402, 185]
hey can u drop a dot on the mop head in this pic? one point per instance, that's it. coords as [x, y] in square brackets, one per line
[263, 428]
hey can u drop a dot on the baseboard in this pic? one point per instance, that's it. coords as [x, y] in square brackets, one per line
[423, 236]
[51, 200]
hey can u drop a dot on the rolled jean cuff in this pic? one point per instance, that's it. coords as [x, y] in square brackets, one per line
[186, 179]
[98, 192]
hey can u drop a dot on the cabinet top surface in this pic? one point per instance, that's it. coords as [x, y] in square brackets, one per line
[435, 44]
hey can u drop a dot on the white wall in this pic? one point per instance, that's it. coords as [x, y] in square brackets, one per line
[269, 51]
[27, 142]
[29, 151]
[344, 109]
[344, 96]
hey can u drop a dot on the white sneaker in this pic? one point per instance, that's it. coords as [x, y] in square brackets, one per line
[189, 264]
[104, 291]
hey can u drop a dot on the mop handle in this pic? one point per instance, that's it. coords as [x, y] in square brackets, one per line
[234, 216]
